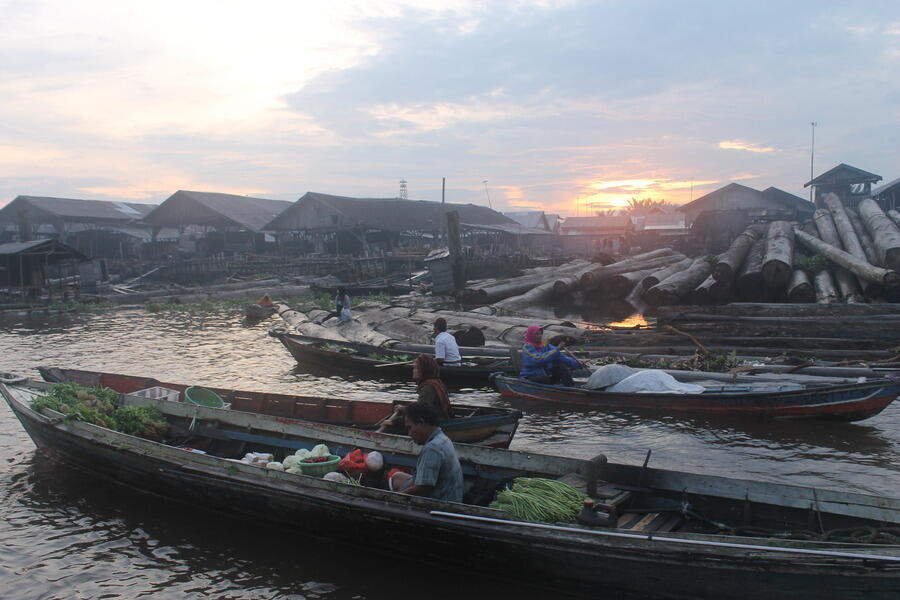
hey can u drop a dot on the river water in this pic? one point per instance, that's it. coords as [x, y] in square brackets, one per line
[66, 535]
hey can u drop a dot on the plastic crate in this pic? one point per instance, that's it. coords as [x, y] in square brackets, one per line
[159, 393]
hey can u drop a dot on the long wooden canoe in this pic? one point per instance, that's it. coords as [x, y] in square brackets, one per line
[676, 535]
[470, 424]
[367, 360]
[839, 401]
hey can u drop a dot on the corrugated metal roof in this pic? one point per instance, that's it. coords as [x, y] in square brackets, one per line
[661, 220]
[73, 209]
[393, 214]
[213, 209]
[511, 228]
[885, 187]
[612, 222]
[529, 218]
[14, 248]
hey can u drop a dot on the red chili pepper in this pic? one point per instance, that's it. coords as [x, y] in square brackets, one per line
[316, 459]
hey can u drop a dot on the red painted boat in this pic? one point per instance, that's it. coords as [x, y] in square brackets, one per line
[844, 401]
[481, 425]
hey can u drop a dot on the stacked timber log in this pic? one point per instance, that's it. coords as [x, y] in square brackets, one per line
[606, 282]
[841, 256]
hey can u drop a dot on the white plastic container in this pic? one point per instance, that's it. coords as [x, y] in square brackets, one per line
[159, 393]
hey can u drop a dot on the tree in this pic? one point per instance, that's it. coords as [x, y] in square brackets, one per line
[642, 206]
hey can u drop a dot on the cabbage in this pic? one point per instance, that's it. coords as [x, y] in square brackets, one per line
[336, 477]
[294, 470]
[291, 460]
[275, 466]
[374, 461]
[320, 450]
[302, 453]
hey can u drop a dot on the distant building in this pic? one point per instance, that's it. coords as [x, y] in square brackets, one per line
[211, 222]
[721, 215]
[37, 266]
[534, 219]
[849, 183]
[96, 228]
[589, 235]
[888, 195]
[331, 224]
[661, 229]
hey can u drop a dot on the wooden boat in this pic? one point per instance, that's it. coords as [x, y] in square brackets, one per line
[810, 398]
[675, 535]
[470, 424]
[258, 311]
[364, 359]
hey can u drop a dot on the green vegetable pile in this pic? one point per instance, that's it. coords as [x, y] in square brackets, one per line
[390, 357]
[540, 500]
[98, 407]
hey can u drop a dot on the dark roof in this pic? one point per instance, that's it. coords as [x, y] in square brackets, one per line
[39, 246]
[611, 223]
[795, 202]
[716, 193]
[216, 210]
[843, 174]
[393, 214]
[73, 209]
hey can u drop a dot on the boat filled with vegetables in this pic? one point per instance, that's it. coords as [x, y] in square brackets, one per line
[589, 526]
[483, 425]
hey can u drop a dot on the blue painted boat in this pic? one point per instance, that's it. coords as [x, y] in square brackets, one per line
[837, 401]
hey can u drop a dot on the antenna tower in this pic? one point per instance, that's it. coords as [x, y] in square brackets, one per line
[403, 194]
[488, 194]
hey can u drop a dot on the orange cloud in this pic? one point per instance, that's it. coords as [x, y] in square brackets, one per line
[739, 145]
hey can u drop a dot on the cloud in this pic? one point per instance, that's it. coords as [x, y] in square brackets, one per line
[739, 145]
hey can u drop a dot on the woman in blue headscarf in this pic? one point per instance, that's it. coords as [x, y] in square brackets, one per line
[546, 363]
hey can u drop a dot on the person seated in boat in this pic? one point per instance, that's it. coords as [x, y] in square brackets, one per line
[265, 301]
[438, 473]
[431, 391]
[446, 351]
[342, 306]
[546, 363]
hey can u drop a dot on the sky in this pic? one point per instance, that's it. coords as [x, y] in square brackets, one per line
[564, 106]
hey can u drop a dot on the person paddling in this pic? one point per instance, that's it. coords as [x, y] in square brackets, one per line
[546, 363]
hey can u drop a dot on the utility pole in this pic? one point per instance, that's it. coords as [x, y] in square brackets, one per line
[812, 158]
[443, 188]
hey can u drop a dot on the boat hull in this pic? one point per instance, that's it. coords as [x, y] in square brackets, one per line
[549, 559]
[308, 351]
[851, 402]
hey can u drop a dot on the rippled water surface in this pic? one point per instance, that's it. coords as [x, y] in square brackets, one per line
[67, 535]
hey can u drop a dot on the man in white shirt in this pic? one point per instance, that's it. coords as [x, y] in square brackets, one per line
[446, 352]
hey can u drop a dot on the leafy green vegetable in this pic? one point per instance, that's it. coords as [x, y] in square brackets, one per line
[98, 406]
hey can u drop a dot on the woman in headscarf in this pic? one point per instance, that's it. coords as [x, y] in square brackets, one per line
[546, 363]
[432, 392]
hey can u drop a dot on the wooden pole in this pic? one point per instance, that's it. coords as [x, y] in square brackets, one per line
[454, 245]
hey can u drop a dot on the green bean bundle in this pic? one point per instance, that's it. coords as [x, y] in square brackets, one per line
[540, 500]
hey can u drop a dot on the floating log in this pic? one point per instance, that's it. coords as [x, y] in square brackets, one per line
[800, 287]
[663, 272]
[749, 281]
[886, 277]
[729, 262]
[884, 232]
[865, 240]
[619, 286]
[654, 258]
[710, 291]
[779, 255]
[303, 325]
[846, 283]
[492, 290]
[678, 285]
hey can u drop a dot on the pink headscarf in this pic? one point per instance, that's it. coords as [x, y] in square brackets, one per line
[531, 336]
